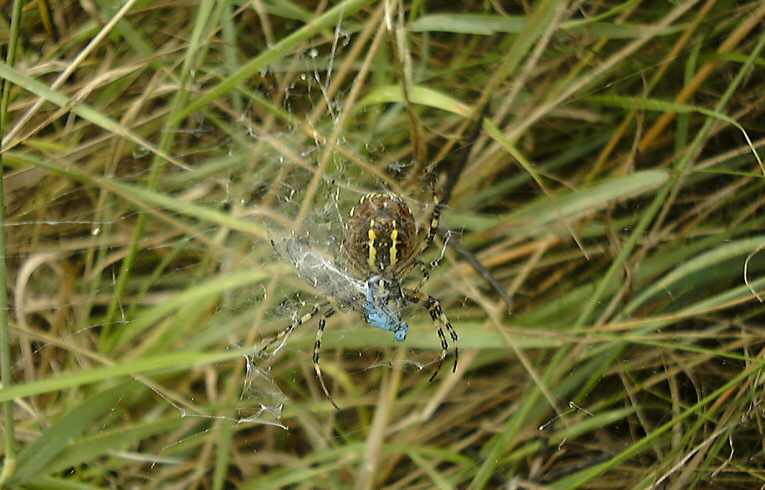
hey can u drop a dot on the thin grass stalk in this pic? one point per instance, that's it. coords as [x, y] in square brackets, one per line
[9, 463]
[167, 139]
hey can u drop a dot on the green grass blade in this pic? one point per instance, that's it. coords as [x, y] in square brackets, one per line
[173, 361]
[35, 459]
[488, 24]
[418, 94]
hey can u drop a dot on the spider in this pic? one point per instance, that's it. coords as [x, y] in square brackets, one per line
[382, 245]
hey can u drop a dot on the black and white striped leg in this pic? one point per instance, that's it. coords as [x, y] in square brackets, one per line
[439, 320]
[317, 354]
[444, 349]
[454, 336]
[284, 334]
[427, 269]
[435, 218]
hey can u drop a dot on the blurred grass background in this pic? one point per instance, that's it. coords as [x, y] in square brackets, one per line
[613, 199]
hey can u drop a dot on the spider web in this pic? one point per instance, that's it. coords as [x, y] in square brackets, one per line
[313, 253]
[68, 216]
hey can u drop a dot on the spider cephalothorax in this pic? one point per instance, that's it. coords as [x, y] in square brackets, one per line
[381, 235]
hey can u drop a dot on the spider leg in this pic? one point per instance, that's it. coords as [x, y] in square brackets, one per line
[444, 349]
[439, 320]
[438, 311]
[427, 269]
[316, 354]
[282, 336]
[435, 218]
[438, 316]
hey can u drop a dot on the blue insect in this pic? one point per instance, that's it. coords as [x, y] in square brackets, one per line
[378, 314]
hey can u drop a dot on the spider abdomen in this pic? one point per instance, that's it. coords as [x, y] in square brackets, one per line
[381, 235]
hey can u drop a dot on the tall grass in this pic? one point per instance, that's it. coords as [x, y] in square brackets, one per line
[603, 245]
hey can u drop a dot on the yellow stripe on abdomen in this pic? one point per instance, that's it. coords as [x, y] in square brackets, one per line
[372, 250]
[393, 248]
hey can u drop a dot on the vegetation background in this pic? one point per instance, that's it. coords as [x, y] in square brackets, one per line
[603, 272]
